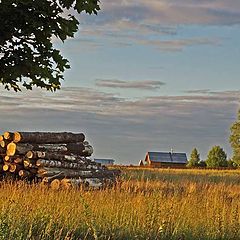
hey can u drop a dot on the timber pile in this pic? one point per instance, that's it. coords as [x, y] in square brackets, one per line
[55, 159]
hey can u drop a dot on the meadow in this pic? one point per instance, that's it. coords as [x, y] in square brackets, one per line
[145, 204]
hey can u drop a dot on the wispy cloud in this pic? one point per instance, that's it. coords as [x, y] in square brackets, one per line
[115, 123]
[141, 85]
[150, 22]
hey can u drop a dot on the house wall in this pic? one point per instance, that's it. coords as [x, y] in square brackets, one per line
[166, 165]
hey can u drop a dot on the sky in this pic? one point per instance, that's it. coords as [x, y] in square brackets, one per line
[145, 76]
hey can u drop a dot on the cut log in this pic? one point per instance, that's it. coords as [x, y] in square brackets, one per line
[55, 156]
[65, 165]
[1, 167]
[48, 137]
[18, 160]
[29, 163]
[5, 167]
[67, 148]
[25, 174]
[15, 168]
[61, 173]
[1, 138]
[6, 158]
[16, 137]
[2, 144]
[8, 136]
[11, 149]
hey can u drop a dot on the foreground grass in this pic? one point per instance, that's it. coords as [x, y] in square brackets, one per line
[147, 204]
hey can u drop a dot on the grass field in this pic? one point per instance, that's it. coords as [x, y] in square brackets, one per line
[146, 204]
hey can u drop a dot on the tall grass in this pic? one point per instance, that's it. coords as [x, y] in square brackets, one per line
[146, 204]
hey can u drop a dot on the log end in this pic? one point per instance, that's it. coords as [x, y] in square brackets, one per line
[6, 135]
[11, 149]
[17, 137]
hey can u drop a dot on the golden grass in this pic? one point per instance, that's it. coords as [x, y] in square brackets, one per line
[147, 204]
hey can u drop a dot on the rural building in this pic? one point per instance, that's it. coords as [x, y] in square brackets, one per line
[166, 159]
[104, 161]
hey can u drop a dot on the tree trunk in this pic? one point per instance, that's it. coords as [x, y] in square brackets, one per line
[48, 137]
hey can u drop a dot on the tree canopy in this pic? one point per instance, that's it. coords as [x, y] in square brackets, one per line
[216, 158]
[194, 158]
[235, 140]
[27, 27]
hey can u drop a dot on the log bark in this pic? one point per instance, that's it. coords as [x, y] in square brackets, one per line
[65, 165]
[48, 137]
[55, 156]
[63, 173]
[67, 148]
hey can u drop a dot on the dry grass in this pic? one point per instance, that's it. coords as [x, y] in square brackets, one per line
[147, 204]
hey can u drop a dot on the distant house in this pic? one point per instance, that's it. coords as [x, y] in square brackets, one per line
[166, 159]
[104, 161]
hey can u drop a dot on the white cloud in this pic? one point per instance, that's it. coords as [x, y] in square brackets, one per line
[141, 85]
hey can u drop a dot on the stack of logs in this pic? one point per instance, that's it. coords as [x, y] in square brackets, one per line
[57, 159]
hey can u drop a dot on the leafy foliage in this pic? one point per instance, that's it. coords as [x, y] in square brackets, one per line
[235, 140]
[27, 29]
[216, 158]
[194, 158]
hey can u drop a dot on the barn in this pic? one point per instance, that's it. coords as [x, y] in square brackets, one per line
[166, 159]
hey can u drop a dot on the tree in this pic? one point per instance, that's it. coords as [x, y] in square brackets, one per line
[235, 140]
[216, 158]
[27, 28]
[194, 158]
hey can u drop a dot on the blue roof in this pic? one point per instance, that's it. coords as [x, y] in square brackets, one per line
[168, 157]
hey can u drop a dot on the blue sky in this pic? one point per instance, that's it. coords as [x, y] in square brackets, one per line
[145, 75]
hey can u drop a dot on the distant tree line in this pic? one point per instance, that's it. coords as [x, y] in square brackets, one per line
[217, 157]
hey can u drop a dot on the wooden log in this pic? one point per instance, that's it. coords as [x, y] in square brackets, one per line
[25, 174]
[18, 160]
[6, 167]
[2, 144]
[11, 149]
[55, 156]
[61, 173]
[48, 137]
[65, 165]
[67, 148]
[15, 168]
[8, 136]
[29, 163]
[1, 138]
[1, 168]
